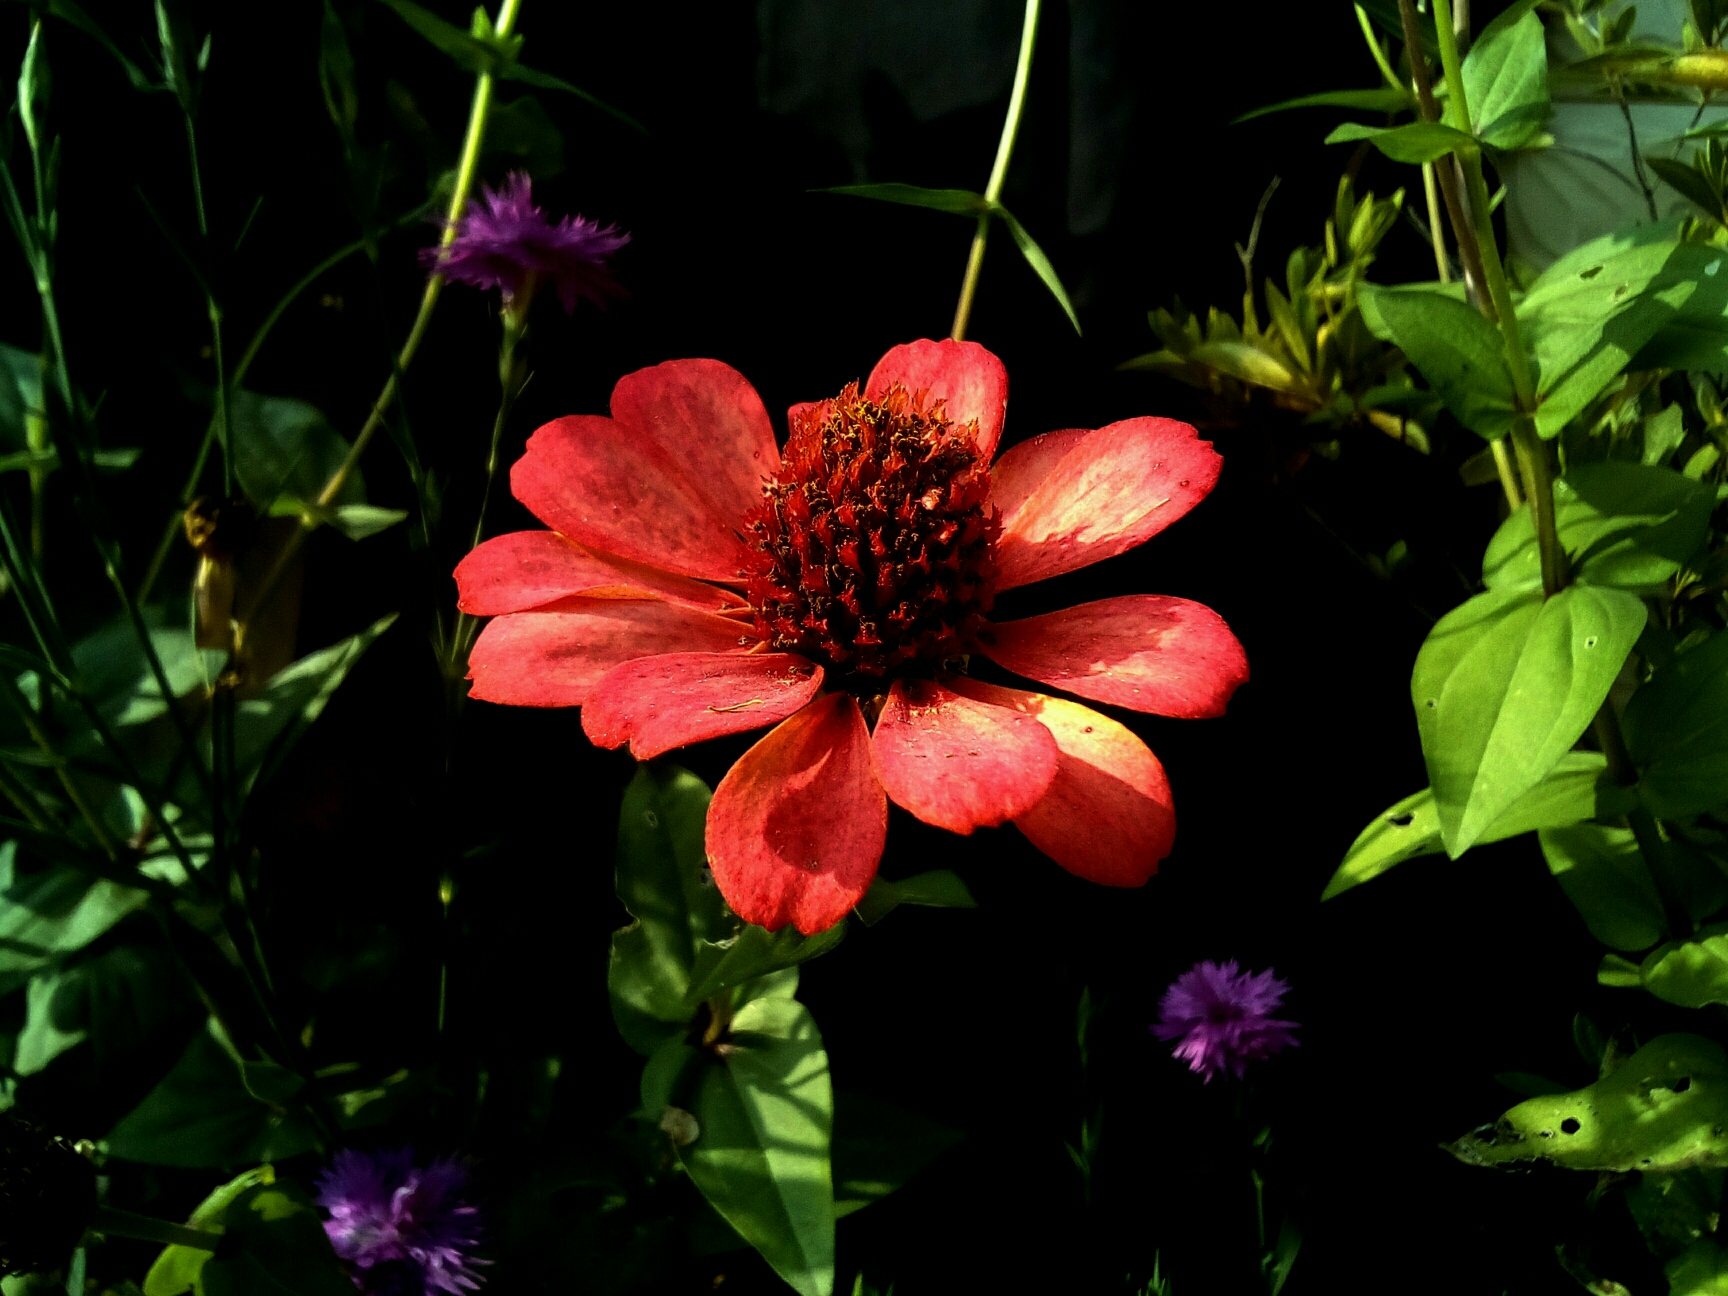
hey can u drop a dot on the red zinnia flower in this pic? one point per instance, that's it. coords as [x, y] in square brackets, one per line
[698, 582]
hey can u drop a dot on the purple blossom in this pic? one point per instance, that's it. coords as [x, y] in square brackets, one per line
[1223, 1016]
[504, 241]
[404, 1229]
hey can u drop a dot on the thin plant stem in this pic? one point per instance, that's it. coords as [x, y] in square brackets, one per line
[1431, 191]
[145, 1228]
[224, 424]
[510, 387]
[998, 172]
[478, 116]
[21, 707]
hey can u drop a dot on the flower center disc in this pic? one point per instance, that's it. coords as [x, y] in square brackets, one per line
[871, 548]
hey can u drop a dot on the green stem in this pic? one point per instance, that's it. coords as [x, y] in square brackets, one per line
[146, 1228]
[998, 172]
[478, 115]
[510, 387]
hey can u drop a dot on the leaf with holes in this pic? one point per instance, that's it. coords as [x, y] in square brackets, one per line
[1504, 685]
[1411, 828]
[1663, 1110]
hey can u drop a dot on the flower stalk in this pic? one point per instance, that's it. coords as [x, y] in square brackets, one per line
[478, 115]
[998, 172]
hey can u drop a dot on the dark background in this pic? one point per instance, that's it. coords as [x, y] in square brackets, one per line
[1412, 993]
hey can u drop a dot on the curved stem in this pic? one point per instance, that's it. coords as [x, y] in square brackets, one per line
[998, 171]
[477, 117]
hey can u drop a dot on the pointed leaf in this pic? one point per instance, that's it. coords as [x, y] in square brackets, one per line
[939, 888]
[1677, 732]
[1506, 78]
[1381, 99]
[1415, 142]
[1040, 264]
[960, 202]
[1459, 353]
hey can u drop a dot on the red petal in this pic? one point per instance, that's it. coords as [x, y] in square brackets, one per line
[805, 411]
[608, 488]
[554, 656]
[957, 763]
[796, 828]
[964, 374]
[674, 699]
[1108, 816]
[529, 569]
[709, 420]
[1023, 468]
[1113, 489]
[1147, 652]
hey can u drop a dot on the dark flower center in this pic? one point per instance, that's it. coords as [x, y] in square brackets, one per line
[871, 549]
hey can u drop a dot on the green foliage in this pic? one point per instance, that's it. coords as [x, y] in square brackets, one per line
[1506, 79]
[1459, 352]
[1599, 867]
[1318, 356]
[1565, 795]
[1504, 686]
[1662, 1110]
[178, 1268]
[274, 1242]
[1677, 732]
[939, 888]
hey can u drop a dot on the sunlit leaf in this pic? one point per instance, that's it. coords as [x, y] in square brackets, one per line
[1451, 345]
[1414, 142]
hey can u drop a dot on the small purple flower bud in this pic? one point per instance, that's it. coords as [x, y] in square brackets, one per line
[1223, 1018]
[504, 241]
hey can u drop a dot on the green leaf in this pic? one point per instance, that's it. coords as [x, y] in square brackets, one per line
[663, 881]
[275, 1243]
[1566, 795]
[116, 675]
[1506, 80]
[1381, 99]
[1676, 730]
[286, 449]
[754, 952]
[1689, 183]
[1590, 312]
[42, 1040]
[1245, 362]
[1663, 1110]
[960, 202]
[1600, 869]
[1673, 1211]
[356, 521]
[1414, 142]
[1040, 264]
[201, 1115]
[939, 888]
[336, 73]
[1700, 1270]
[178, 1268]
[1621, 524]
[878, 1147]
[761, 1155]
[51, 912]
[522, 129]
[1452, 346]
[1692, 973]
[1504, 685]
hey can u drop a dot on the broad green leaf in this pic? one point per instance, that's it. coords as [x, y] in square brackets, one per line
[51, 912]
[761, 1156]
[522, 129]
[286, 449]
[939, 888]
[117, 676]
[1692, 973]
[664, 883]
[1701, 1269]
[275, 1242]
[1246, 363]
[1414, 142]
[1381, 99]
[1506, 81]
[42, 1040]
[1663, 1110]
[1676, 730]
[754, 952]
[1603, 875]
[178, 1268]
[1040, 264]
[1687, 181]
[1504, 686]
[878, 1147]
[202, 1116]
[960, 202]
[1590, 312]
[1663, 433]
[1452, 346]
[1621, 524]
[1566, 795]
[1674, 1211]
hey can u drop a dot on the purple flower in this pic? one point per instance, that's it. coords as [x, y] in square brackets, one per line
[1223, 1016]
[504, 241]
[403, 1228]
